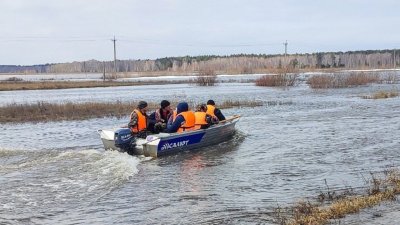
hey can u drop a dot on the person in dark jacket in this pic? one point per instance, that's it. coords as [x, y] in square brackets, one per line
[159, 118]
[213, 111]
[176, 125]
[162, 114]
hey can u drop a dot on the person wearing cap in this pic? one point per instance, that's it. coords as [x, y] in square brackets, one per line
[213, 111]
[184, 121]
[138, 120]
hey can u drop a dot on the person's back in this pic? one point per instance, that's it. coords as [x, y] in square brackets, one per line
[202, 119]
[214, 111]
[189, 123]
[184, 120]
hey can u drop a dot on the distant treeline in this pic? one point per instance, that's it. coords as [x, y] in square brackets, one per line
[242, 63]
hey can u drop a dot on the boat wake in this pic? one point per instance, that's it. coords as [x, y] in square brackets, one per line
[43, 179]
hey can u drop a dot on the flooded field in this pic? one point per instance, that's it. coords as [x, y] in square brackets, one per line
[58, 173]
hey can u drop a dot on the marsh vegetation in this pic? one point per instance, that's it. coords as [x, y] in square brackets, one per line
[336, 205]
[28, 85]
[43, 111]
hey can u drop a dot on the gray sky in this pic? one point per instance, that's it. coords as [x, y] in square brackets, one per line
[51, 31]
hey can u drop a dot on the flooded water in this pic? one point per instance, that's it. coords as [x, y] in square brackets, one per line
[58, 173]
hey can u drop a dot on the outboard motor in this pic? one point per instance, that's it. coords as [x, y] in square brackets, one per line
[124, 140]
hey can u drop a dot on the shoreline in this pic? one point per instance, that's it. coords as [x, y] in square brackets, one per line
[194, 73]
[15, 82]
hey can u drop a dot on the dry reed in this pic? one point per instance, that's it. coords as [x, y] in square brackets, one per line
[286, 77]
[43, 111]
[206, 77]
[307, 213]
[342, 80]
[382, 95]
[24, 85]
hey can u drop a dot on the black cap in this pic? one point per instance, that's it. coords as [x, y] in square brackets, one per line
[165, 103]
[142, 105]
[210, 102]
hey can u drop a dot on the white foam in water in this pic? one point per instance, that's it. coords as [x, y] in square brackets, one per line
[8, 206]
[108, 163]
[119, 165]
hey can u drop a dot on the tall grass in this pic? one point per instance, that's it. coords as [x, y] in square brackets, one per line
[381, 95]
[25, 85]
[342, 80]
[206, 77]
[44, 111]
[284, 78]
[308, 213]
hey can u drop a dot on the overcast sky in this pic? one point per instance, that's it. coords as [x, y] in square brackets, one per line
[51, 31]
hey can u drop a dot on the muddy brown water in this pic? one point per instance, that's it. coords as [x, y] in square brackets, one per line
[58, 173]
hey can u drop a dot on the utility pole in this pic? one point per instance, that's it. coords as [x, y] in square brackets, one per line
[286, 61]
[104, 71]
[394, 59]
[84, 68]
[115, 57]
[286, 43]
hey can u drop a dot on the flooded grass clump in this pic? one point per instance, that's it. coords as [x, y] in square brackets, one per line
[206, 77]
[382, 95]
[13, 79]
[342, 80]
[285, 77]
[280, 80]
[43, 111]
[232, 103]
[307, 213]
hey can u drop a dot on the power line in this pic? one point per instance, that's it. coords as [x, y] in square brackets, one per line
[199, 44]
[128, 40]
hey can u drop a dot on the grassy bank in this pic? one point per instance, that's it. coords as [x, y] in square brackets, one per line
[334, 205]
[26, 85]
[42, 111]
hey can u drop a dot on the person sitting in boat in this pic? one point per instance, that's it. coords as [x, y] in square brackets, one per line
[138, 120]
[159, 118]
[184, 121]
[202, 119]
[213, 111]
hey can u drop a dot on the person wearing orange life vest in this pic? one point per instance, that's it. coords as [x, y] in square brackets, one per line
[202, 119]
[184, 121]
[138, 120]
[213, 111]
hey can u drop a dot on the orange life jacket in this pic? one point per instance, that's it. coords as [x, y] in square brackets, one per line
[200, 119]
[189, 121]
[210, 110]
[141, 124]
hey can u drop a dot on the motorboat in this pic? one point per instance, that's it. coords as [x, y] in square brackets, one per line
[155, 145]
